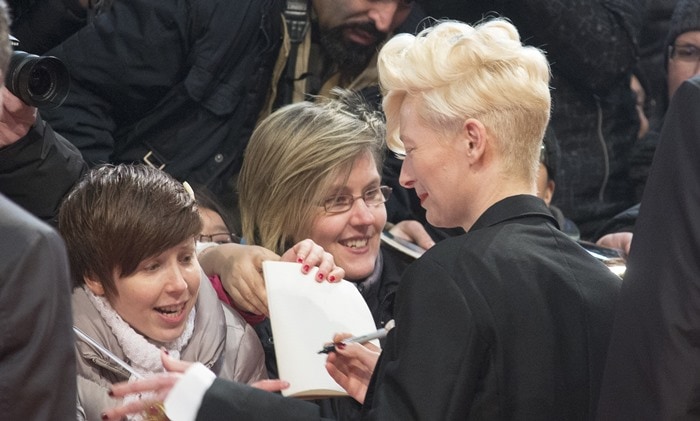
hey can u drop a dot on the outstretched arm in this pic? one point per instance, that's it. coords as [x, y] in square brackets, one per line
[240, 268]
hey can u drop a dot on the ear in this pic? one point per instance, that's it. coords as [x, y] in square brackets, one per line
[94, 285]
[549, 192]
[474, 138]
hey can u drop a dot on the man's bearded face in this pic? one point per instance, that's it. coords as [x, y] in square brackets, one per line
[351, 45]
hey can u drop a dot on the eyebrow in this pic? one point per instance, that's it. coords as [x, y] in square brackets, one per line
[377, 181]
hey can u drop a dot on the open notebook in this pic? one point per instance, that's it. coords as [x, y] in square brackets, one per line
[304, 315]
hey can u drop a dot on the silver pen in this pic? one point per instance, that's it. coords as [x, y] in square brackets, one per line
[378, 334]
[106, 352]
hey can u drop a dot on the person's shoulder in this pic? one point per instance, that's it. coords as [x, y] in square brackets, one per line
[694, 81]
[396, 258]
[442, 258]
[17, 223]
[236, 326]
[268, 7]
[689, 90]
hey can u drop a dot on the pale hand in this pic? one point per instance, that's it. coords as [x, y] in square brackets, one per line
[617, 240]
[16, 118]
[414, 232]
[240, 269]
[159, 385]
[352, 366]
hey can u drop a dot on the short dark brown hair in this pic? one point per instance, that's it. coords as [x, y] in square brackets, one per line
[118, 215]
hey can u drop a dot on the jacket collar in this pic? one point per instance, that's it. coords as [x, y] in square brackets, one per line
[512, 208]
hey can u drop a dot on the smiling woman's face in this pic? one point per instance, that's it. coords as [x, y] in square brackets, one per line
[353, 237]
[157, 299]
[434, 166]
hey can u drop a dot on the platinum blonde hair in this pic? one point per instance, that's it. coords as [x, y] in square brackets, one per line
[293, 158]
[458, 72]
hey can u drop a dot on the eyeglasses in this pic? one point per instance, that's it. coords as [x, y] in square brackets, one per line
[686, 53]
[543, 153]
[343, 202]
[219, 238]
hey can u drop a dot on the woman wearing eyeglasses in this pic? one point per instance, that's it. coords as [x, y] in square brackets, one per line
[313, 171]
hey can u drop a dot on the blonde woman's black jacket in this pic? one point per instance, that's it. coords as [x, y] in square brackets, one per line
[175, 83]
[510, 321]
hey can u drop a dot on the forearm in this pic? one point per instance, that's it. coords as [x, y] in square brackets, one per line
[218, 259]
[40, 162]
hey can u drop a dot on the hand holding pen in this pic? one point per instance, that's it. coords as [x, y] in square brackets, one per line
[378, 334]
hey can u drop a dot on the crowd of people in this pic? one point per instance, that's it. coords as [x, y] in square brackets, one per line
[306, 129]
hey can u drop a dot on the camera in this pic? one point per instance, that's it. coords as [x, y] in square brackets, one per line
[39, 81]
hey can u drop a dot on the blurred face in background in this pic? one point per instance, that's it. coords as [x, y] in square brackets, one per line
[214, 228]
[352, 30]
[684, 60]
[353, 236]
[640, 97]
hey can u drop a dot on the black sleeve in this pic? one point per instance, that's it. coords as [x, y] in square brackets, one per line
[225, 401]
[41, 25]
[653, 369]
[116, 77]
[38, 170]
[420, 375]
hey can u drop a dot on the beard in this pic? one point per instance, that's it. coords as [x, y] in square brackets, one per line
[351, 58]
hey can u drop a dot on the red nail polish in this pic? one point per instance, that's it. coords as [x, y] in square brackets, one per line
[300, 260]
[340, 345]
[104, 416]
[110, 393]
[306, 268]
[331, 278]
[320, 276]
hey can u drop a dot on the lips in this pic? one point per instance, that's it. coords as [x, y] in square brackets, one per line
[361, 37]
[171, 311]
[355, 243]
[422, 197]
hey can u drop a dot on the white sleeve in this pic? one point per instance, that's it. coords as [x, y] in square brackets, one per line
[201, 246]
[185, 398]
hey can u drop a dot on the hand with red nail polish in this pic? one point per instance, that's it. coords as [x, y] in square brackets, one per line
[311, 255]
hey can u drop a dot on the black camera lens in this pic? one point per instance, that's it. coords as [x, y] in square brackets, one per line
[39, 81]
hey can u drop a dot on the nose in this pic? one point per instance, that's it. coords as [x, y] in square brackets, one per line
[406, 177]
[383, 14]
[176, 279]
[361, 213]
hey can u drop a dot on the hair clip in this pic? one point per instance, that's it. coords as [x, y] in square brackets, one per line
[188, 189]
